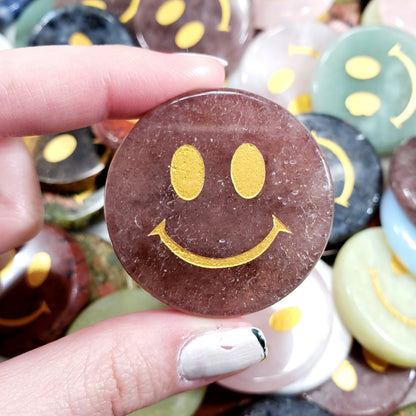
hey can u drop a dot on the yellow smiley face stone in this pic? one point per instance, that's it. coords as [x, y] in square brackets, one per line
[375, 298]
[367, 77]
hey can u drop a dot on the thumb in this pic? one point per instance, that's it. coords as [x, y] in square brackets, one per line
[126, 363]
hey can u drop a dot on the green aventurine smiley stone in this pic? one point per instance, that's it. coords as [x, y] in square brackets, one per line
[367, 77]
[128, 301]
[375, 296]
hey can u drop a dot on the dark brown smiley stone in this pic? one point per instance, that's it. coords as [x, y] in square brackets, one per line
[253, 232]
[49, 286]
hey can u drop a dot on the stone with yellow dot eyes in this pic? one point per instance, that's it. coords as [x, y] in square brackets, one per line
[79, 25]
[42, 289]
[221, 28]
[304, 317]
[375, 297]
[359, 388]
[367, 77]
[219, 202]
[69, 162]
[279, 62]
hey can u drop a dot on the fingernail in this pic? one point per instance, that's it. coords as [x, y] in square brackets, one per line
[223, 62]
[221, 352]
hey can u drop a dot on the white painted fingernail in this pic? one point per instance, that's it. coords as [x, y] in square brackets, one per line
[221, 352]
[222, 61]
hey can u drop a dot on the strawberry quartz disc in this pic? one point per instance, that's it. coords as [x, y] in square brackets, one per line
[219, 203]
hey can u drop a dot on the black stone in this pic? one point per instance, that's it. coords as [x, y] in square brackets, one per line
[364, 199]
[279, 406]
[100, 26]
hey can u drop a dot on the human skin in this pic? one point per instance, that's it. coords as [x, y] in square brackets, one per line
[125, 363]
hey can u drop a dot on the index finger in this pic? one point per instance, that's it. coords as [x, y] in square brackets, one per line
[50, 89]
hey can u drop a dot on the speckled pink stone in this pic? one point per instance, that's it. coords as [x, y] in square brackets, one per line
[219, 223]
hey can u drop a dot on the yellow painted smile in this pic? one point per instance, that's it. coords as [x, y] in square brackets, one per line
[26, 320]
[407, 321]
[219, 263]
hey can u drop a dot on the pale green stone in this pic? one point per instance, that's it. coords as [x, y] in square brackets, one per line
[370, 15]
[30, 17]
[181, 405]
[385, 109]
[383, 323]
[118, 303]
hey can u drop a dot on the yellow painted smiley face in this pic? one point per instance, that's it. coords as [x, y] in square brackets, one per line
[220, 204]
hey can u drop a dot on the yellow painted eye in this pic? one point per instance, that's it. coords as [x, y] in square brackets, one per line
[248, 171]
[362, 67]
[363, 103]
[187, 172]
[60, 148]
[281, 80]
[345, 377]
[190, 34]
[285, 319]
[300, 104]
[39, 269]
[169, 12]
[79, 38]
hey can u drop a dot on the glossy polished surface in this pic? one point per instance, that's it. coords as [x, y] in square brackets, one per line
[304, 317]
[374, 295]
[69, 162]
[269, 13]
[48, 286]
[367, 77]
[356, 173]
[220, 28]
[363, 385]
[402, 177]
[79, 25]
[227, 216]
[399, 230]
[335, 352]
[278, 63]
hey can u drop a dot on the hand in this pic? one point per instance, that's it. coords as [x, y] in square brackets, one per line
[129, 362]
